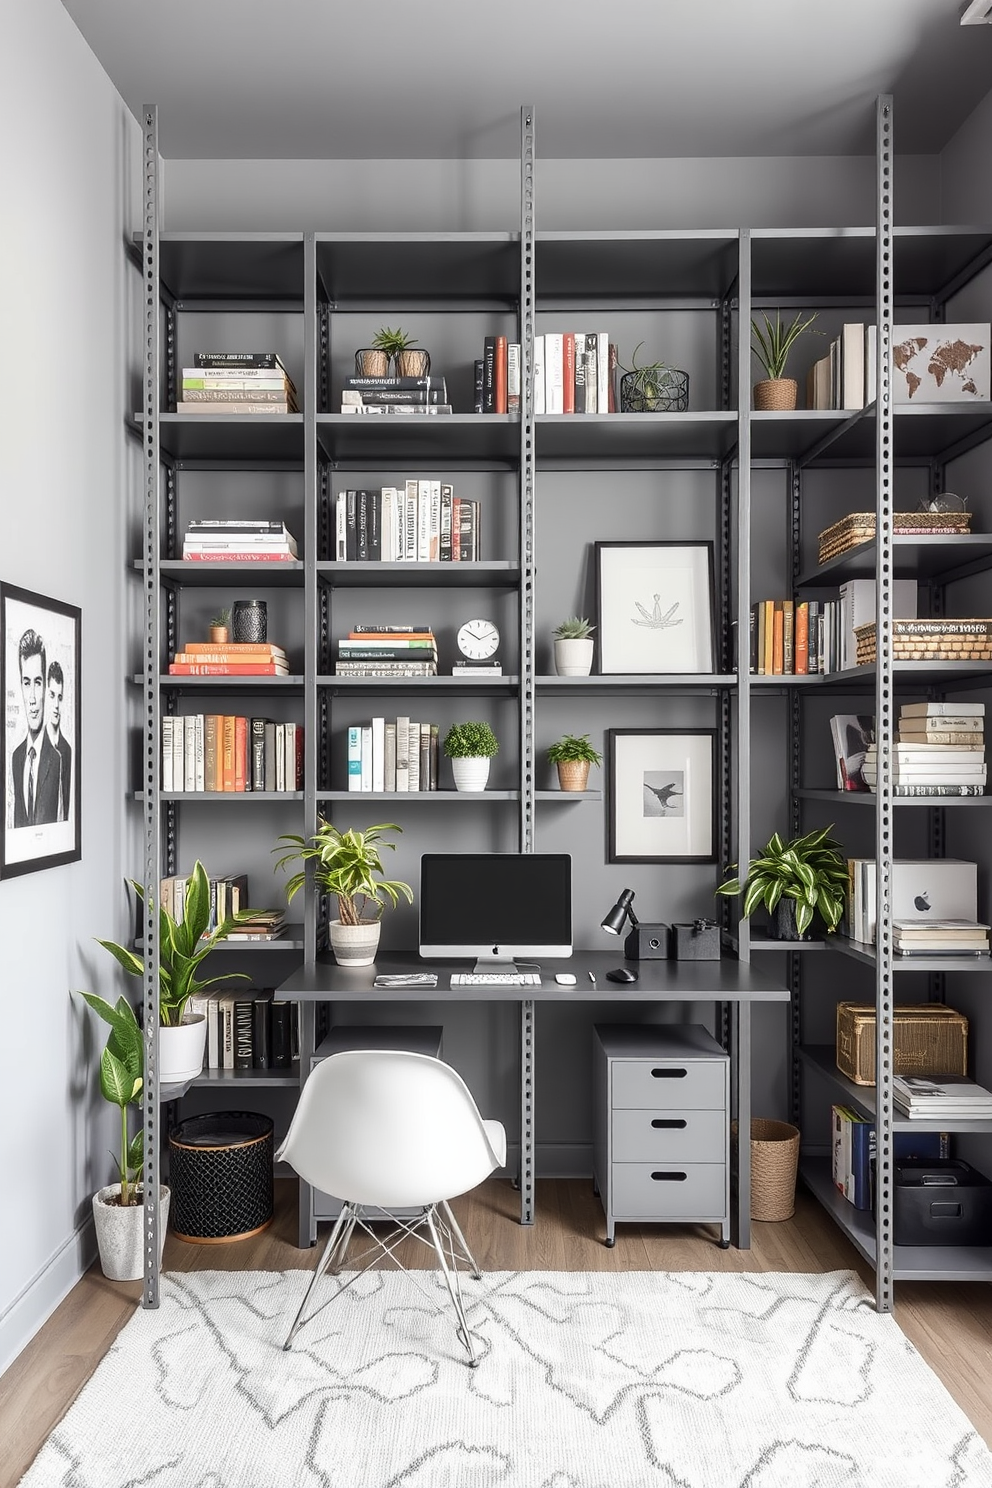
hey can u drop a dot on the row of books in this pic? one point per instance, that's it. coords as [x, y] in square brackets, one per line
[941, 1098]
[393, 651]
[402, 395]
[228, 752]
[497, 376]
[229, 659]
[422, 521]
[795, 637]
[249, 1030]
[846, 376]
[934, 905]
[237, 382]
[389, 754]
[228, 896]
[853, 1145]
[939, 749]
[575, 372]
[240, 540]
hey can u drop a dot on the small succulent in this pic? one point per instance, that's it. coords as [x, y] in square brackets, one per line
[575, 628]
[222, 619]
[470, 741]
[392, 342]
[773, 341]
[573, 748]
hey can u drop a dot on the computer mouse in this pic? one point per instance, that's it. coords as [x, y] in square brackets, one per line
[621, 974]
[564, 979]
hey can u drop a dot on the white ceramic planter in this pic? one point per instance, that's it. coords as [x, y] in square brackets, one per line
[120, 1233]
[573, 658]
[354, 945]
[181, 1049]
[471, 773]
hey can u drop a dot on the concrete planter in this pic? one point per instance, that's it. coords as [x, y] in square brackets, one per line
[354, 945]
[120, 1232]
[471, 773]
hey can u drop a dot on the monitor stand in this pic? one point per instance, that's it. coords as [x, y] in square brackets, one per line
[495, 965]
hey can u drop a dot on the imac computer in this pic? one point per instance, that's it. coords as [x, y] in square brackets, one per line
[495, 907]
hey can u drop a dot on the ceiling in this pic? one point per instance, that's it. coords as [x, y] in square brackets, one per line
[407, 79]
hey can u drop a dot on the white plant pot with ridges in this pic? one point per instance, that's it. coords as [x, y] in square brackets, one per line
[354, 945]
[573, 658]
[471, 773]
[180, 1049]
[120, 1232]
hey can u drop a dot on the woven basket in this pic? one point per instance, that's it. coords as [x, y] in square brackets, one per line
[774, 1162]
[573, 775]
[776, 394]
[859, 527]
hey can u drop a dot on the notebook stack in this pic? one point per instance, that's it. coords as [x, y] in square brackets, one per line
[922, 937]
[241, 540]
[387, 651]
[237, 382]
[939, 751]
[395, 395]
[942, 1098]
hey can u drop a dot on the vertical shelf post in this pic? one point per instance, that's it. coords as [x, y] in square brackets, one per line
[740, 1064]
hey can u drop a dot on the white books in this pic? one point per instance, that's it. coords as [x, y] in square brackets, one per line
[402, 754]
[354, 759]
[412, 506]
[871, 363]
[434, 522]
[513, 377]
[289, 729]
[603, 370]
[413, 755]
[178, 752]
[366, 776]
[387, 525]
[378, 754]
[936, 1096]
[167, 769]
[198, 775]
[942, 710]
[857, 599]
[226, 1015]
[213, 1031]
[423, 521]
[852, 365]
[539, 374]
[341, 527]
[389, 757]
[280, 758]
[553, 373]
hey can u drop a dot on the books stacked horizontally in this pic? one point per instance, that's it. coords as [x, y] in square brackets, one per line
[230, 659]
[421, 521]
[944, 1098]
[264, 924]
[237, 382]
[387, 651]
[228, 752]
[396, 395]
[926, 937]
[388, 754]
[939, 751]
[242, 540]
[249, 1030]
[965, 639]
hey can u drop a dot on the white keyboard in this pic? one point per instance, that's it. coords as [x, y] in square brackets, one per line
[495, 979]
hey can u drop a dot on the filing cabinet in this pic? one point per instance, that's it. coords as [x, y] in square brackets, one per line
[661, 1142]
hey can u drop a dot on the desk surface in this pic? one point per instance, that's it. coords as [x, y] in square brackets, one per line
[726, 980]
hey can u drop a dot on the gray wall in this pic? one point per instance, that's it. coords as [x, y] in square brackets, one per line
[69, 150]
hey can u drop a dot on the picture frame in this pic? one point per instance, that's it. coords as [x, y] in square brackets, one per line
[662, 795]
[655, 607]
[40, 681]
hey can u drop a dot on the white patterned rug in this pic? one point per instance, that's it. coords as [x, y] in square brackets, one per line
[589, 1380]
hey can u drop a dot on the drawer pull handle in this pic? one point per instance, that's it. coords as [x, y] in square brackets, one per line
[674, 1123]
[669, 1074]
[669, 1177]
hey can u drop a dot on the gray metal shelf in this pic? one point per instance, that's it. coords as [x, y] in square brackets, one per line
[856, 950]
[409, 269]
[496, 575]
[822, 1058]
[867, 798]
[289, 575]
[450, 797]
[228, 437]
[921, 558]
[232, 266]
[487, 438]
[484, 686]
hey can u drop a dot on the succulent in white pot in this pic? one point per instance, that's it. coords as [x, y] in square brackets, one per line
[470, 748]
[573, 647]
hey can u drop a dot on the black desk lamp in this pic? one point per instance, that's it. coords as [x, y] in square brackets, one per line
[645, 942]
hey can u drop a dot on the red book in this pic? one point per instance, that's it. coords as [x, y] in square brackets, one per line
[240, 752]
[499, 376]
[227, 752]
[802, 639]
[777, 638]
[456, 533]
[228, 669]
[568, 372]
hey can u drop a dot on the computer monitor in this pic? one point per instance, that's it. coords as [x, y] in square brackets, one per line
[495, 906]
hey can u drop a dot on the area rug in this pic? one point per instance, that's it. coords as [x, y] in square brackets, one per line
[587, 1380]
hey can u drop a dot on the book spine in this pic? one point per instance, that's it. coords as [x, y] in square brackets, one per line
[802, 638]
[513, 377]
[479, 385]
[553, 372]
[240, 753]
[258, 754]
[413, 755]
[168, 774]
[270, 756]
[261, 1030]
[434, 751]
[341, 527]
[243, 1042]
[228, 748]
[603, 373]
[206, 390]
[778, 633]
[281, 1035]
[499, 375]
[579, 366]
[366, 776]
[227, 669]
[394, 395]
[568, 372]
[402, 754]
[227, 1031]
[243, 360]
[189, 752]
[788, 638]
[389, 756]
[425, 756]
[239, 555]
[444, 544]
[280, 757]
[378, 751]
[489, 374]
[538, 372]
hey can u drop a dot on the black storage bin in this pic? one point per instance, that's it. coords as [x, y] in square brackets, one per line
[942, 1202]
[698, 941]
[220, 1172]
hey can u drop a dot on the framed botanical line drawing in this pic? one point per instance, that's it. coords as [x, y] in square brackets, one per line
[662, 793]
[40, 654]
[655, 607]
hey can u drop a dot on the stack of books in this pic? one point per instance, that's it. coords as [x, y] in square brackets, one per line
[237, 382]
[228, 752]
[387, 651]
[939, 751]
[265, 924]
[249, 1030]
[393, 755]
[231, 659]
[944, 1098]
[923, 937]
[421, 521]
[242, 540]
[396, 395]
[228, 896]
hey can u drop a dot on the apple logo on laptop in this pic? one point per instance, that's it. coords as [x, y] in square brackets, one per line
[921, 901]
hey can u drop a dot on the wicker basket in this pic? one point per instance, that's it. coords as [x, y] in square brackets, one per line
[573, 775]
[928, 1039]
[776, 394]
[774, 1161]
[859, 527]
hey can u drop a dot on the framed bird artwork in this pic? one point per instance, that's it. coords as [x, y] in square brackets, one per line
[662, 794]
[655, 603]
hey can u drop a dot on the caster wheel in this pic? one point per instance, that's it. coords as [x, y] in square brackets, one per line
[610, 1243]
[724, 1244]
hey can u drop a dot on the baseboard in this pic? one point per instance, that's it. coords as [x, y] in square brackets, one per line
[34, 1305]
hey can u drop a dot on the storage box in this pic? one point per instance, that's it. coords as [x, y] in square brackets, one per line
[941, 1203]
[698, 941]
[928, 1039]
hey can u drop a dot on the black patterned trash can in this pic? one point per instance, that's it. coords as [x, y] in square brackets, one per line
[220, 1172]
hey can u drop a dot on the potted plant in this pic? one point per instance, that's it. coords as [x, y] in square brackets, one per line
[396, 347]
[573, 754]
[470, 747]
[348, 865]
[183, 946]
[771, 344]
[653, 388]
[218, 626]
[573, 647]
[795, 881]
[118, 1216]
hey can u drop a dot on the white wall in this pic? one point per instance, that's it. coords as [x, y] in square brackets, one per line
[67, 148]
[966, 181]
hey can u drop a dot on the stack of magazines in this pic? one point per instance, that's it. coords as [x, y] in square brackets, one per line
[943, 1098]
[925, 937]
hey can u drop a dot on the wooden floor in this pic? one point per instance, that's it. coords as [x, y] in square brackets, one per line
[950, 1324]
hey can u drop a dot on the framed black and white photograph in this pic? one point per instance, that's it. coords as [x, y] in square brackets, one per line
[40, 680]
[662, 789]
[655, 607]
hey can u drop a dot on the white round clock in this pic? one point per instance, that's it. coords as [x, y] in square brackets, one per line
[478, 640]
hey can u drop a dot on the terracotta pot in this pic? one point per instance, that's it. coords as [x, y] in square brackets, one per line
[354, 945]
[219, 635]
[471, 773]
[573, 775]
[776, 393]
[120, 1232]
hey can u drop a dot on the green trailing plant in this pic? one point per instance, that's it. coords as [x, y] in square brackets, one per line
[392, 342]
[810, 870]
[221, 619]
[571, 749]
[773, 341]
[348, 865]
[122, 1066]
[183, 947]
[470, 741]
[575, 628]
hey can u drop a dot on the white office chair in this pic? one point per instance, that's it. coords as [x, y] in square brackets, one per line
[387, 1130]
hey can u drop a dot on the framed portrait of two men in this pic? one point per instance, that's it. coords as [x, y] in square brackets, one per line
[40, 681]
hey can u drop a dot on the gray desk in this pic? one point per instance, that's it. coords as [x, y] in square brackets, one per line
[727, 982]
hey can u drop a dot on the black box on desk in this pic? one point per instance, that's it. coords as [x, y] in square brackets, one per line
[946, 1202]
[648, 942]
[696, 941]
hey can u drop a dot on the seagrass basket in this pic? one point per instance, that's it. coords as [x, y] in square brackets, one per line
[573, 775]
[775, 394]
[774, 1164]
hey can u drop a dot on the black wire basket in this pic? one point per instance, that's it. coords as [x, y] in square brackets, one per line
[654, 390]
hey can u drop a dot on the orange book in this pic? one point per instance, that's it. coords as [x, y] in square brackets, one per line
[235, 648]
[568, 372]
[240, 753]
[228, 669]
[802, 639]
[769, 608]
[227, 752]
[499, 376]
[778, 638]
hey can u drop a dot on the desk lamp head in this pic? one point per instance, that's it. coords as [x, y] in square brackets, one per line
[645, 942]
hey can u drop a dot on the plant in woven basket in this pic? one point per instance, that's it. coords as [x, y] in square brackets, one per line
[390, 341]
[348, 865]
[573, 755]
[655, 387]
[771, 343]
[801, 878]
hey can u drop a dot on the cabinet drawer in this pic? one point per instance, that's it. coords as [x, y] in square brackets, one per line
[669, 1191]
[678, 1136]
[650, 1084]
